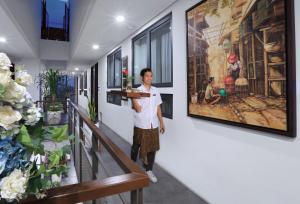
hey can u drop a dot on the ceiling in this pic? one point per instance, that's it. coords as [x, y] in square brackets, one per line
[16, 44]
[101, 27]
[94, 24]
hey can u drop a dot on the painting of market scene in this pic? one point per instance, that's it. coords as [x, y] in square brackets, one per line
[237, 62]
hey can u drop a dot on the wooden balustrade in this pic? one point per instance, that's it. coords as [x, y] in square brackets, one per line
[134, 179]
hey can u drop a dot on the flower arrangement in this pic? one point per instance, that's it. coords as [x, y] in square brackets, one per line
[23, 171]
[127, 83]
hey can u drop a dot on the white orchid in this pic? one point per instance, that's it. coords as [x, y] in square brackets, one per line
[14, 93]
[9, 117]
[5, 62]
[5, 77]
[32, 115]
[13, 186]
[23, 78]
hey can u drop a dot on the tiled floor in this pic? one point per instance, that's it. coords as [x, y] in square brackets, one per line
[168, 190]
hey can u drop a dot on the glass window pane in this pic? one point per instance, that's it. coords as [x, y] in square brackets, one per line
[140, 57]
[110, 71]
[118, 67]
[161, 53]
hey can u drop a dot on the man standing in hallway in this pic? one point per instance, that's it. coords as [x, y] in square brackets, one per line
[148, 122]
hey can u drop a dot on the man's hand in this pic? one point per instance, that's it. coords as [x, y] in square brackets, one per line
[162, 125]
[162, 128]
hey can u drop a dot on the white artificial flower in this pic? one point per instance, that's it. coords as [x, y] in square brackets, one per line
[23, 78]
[14, 93]
[5, 77]
[13, 186]
[32, 115]
[8, 117]
[5, 62]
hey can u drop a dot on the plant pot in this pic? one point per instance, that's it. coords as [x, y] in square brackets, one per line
[129, 86]
[54, 117]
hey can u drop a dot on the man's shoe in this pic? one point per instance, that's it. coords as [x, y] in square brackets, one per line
[152, 177]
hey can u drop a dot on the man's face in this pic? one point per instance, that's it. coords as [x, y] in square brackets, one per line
[147, 79]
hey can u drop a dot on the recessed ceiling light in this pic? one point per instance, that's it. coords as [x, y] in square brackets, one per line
[120, 19]
[73, 73]
[2, 39]
[76, 69]
[95, 47]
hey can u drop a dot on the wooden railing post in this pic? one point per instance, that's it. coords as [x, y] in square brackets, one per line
[94, 156]
[81, 138]
[136, 196]
[69, 120]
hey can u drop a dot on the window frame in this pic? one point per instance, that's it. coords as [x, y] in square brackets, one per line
[85, 89]
[81, 84]
[147, 33]
[170, 97]
[114, 69]
[116, 99]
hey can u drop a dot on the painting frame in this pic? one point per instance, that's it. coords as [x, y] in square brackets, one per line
[291, 123]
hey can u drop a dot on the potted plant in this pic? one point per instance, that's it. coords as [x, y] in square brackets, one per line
[53, 108]
[54, 113]
[93, 116]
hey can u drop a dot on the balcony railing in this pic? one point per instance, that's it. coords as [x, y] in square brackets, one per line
[133, 180]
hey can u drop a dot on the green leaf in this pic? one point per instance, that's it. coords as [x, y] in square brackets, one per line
[37, 131]
[55, 157]
[59, 134]
[66, 149]
[24, 138]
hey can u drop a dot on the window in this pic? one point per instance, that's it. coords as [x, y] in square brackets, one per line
[114, 98]
[114, 68]
[81, 84]
[167, 105]
[153, 48]
[85, 83]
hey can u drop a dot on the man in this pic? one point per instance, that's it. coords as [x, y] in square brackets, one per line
[210, 97]
[148, 123]
[234, 66]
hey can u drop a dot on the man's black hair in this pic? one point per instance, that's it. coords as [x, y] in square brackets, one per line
[143, 71]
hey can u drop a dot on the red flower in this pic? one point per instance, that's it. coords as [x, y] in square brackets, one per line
[125, 71]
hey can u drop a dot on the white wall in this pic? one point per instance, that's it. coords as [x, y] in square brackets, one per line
[33, 67]
[54, 50]
[27, 18]
[223, 164]
[82, 99]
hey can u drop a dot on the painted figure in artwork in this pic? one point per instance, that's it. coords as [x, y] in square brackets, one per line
[210, 97]
[234, 66]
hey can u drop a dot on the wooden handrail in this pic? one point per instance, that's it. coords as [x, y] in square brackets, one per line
[93, 189]
[133, 180]
[121, 158]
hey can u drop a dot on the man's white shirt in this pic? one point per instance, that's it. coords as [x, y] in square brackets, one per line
[148, 115]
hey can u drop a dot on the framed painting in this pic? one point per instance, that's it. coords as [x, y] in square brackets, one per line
[241, 64]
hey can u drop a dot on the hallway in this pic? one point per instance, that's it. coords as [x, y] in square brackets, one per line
[212, 85]
[168, 190]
